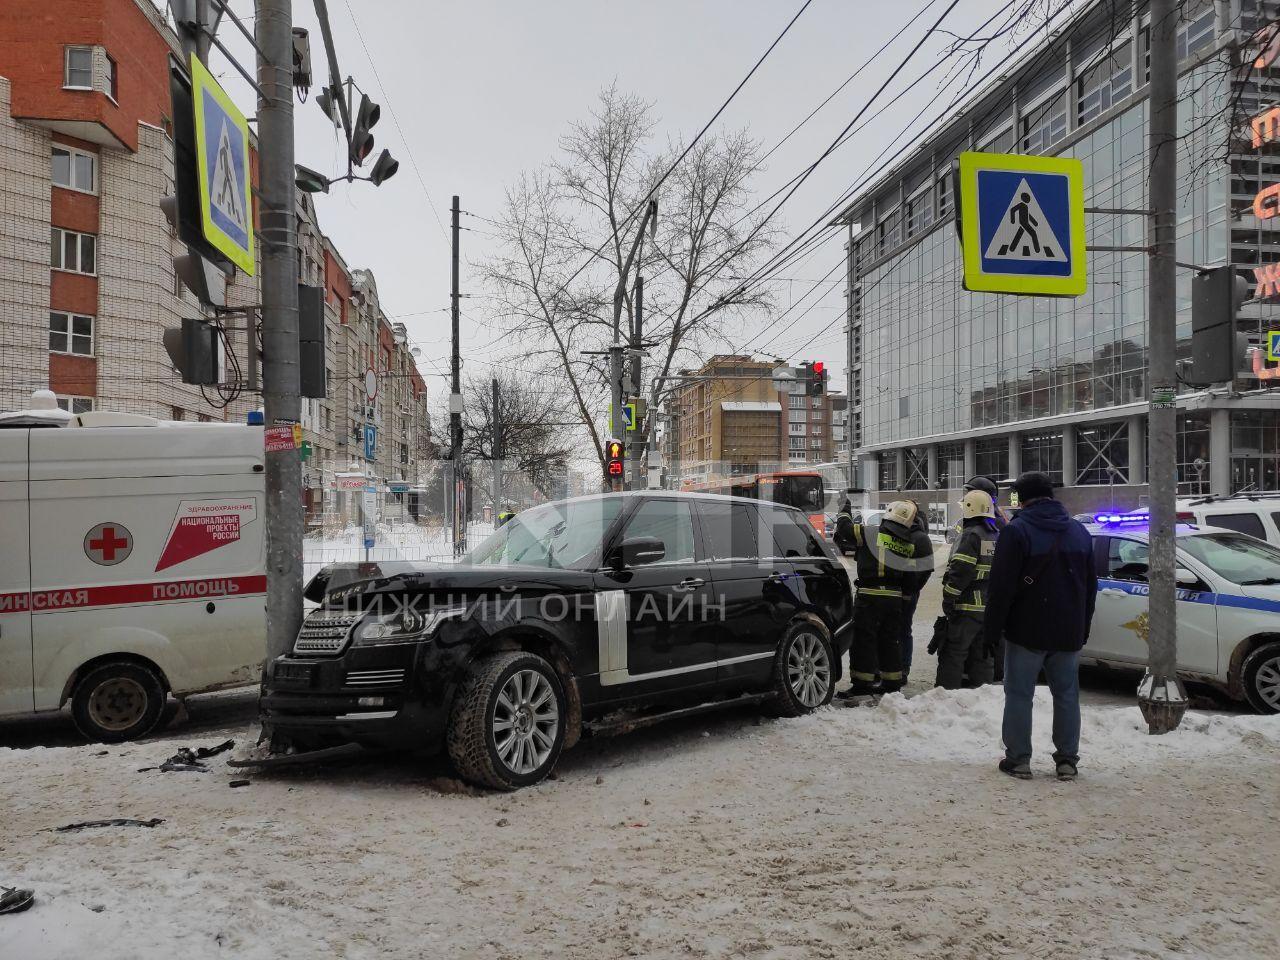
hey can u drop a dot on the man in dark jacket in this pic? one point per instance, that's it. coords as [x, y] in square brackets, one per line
[917, 577]
[1041, 597]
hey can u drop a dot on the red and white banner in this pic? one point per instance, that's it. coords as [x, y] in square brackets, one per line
[204, 525]
[120, 594]
[348, 482]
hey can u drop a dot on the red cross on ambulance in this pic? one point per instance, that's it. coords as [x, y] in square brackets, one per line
[108, 544]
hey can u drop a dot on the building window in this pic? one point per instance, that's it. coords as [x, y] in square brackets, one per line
[78, 73]
[889, 232]
[74, 169]
[1043, 452]
[1045, 125]
[1255, 450]
[75, 404]
[950, 465]
[73, 252]
[991, 457]
[919, 213]
[916, 460]
[113, 81]
[943, 187]
[796, 401]
[795, 443]
[888, 471]
[1102, 453]
[71, 333]
[1195, 35]
[1100, 87]
[815, 444]
[1193, 453]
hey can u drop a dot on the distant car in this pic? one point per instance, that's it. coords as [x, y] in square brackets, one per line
[570, 616]
[1228, 607]
[1257, 514]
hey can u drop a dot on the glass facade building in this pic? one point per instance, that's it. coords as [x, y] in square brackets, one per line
[1017, 383]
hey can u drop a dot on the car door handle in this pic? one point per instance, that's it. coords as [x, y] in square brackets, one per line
[777, 577]
[1112, 592]
[689, 583]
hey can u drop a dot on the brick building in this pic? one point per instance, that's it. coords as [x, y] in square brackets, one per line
[737, 414]
[87, 285]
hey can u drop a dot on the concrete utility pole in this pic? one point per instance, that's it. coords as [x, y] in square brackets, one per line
[455, 398]
[1161, 696]
[495, 412]
[639, 466]
[279, 245]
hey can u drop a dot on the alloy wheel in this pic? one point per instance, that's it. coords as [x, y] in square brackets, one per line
[526, 720]
[809, 669]
[118, 703]
[1267, 682]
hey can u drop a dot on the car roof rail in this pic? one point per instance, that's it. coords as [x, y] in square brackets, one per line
[1239, 495]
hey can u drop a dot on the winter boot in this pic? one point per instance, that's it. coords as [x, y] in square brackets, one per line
[1021, 771]
[1066, 770]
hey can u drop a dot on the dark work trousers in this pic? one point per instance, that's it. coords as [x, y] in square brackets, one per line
[909, 601]
[877, 642]
[963, 653]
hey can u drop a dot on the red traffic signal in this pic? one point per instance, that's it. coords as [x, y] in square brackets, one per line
[615, 459]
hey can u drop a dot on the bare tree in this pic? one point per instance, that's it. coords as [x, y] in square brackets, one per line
[567, 231]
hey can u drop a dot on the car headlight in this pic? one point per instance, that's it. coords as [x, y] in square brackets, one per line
[402, 626]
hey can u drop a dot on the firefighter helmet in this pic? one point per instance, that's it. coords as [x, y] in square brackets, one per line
[901, 511]
[977, 503]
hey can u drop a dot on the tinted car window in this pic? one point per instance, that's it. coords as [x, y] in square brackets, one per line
[1249, 523]
[568, 534]
[670, 521]
[729, 530]
[789, 534]
[1127, 560]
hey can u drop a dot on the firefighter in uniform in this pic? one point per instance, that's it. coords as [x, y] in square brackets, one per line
[883, 556]
[964, 595]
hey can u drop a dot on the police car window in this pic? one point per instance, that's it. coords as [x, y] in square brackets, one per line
[728, 530]
[1127, 560]
[567, 535]
[789, 535]
[1237, 558]
[670, 521]
[1249, 523]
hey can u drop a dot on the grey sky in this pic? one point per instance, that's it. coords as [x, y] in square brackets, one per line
[482, 89]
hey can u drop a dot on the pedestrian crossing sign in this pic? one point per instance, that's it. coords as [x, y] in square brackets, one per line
[1022, 224]
[222, 160]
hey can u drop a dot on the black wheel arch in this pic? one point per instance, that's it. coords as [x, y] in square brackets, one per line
[541, 639]
[1235, 671]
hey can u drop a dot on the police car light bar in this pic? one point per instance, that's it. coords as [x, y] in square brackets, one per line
[1139, 517]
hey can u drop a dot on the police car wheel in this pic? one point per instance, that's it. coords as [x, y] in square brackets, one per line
[118, 701]
[803, 671]
[506, 728]
[1261, 675]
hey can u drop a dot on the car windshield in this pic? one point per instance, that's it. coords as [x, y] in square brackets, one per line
[1236, 557]
[559, 535]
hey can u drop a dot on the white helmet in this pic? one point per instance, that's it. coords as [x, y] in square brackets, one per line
[977, 503]
[901, 511]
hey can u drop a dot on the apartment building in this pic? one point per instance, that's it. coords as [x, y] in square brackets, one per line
[87, 284]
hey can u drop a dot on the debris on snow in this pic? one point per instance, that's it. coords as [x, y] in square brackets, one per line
[187, 760]
[114, 822]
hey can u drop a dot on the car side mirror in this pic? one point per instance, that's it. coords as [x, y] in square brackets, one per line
[634, 551]
[1185, 578]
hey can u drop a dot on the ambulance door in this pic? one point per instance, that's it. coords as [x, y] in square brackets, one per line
[15, 576]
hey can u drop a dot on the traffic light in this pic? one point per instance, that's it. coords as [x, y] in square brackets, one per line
[615, 465]
[195, 350]
[1218, 349]
[311, 359]
[384, 168]
[815, 378]
[361, 139]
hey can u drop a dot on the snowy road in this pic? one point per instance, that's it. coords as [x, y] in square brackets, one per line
[872, 832]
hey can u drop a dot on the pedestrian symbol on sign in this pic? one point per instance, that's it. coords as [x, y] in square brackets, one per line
[226, 188]
[1024, 232]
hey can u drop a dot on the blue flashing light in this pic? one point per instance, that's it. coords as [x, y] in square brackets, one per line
[1141, 516]
[254, 419]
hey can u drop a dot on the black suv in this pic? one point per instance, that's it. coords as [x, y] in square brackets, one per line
[599, 613]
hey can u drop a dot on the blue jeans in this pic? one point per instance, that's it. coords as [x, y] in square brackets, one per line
[1021, 668]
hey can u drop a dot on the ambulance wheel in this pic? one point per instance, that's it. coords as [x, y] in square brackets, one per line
[1261, 674]
[118, 701]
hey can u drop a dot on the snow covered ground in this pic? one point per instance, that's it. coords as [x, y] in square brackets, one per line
[870, 832]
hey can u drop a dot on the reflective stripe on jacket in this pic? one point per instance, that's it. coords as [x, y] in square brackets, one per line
[965, 583]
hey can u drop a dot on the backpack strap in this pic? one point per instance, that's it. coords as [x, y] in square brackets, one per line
[1029, 579]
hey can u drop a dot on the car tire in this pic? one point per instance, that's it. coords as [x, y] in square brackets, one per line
[517, 694]
[1260, 674]
[118, 701]
[804, 670]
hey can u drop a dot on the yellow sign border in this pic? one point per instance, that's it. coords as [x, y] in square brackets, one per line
[978, 281]
[1273, 337]
[201, 80]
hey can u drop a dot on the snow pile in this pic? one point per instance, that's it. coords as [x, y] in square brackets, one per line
[964, 725]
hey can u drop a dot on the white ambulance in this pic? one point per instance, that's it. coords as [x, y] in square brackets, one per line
[132, 565]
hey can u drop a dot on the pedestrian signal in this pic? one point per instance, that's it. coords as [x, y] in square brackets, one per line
[615, 460]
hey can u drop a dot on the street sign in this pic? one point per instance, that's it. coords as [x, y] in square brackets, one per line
[1273, 345]
[369, 515]
[1022, 224]
[222, 158]
[628, 416]
[371, 384]
[370, 441]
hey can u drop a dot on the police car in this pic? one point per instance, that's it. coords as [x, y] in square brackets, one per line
[1228, 606]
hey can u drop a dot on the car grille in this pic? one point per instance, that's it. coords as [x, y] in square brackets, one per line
[375, 678]
[323, 633]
